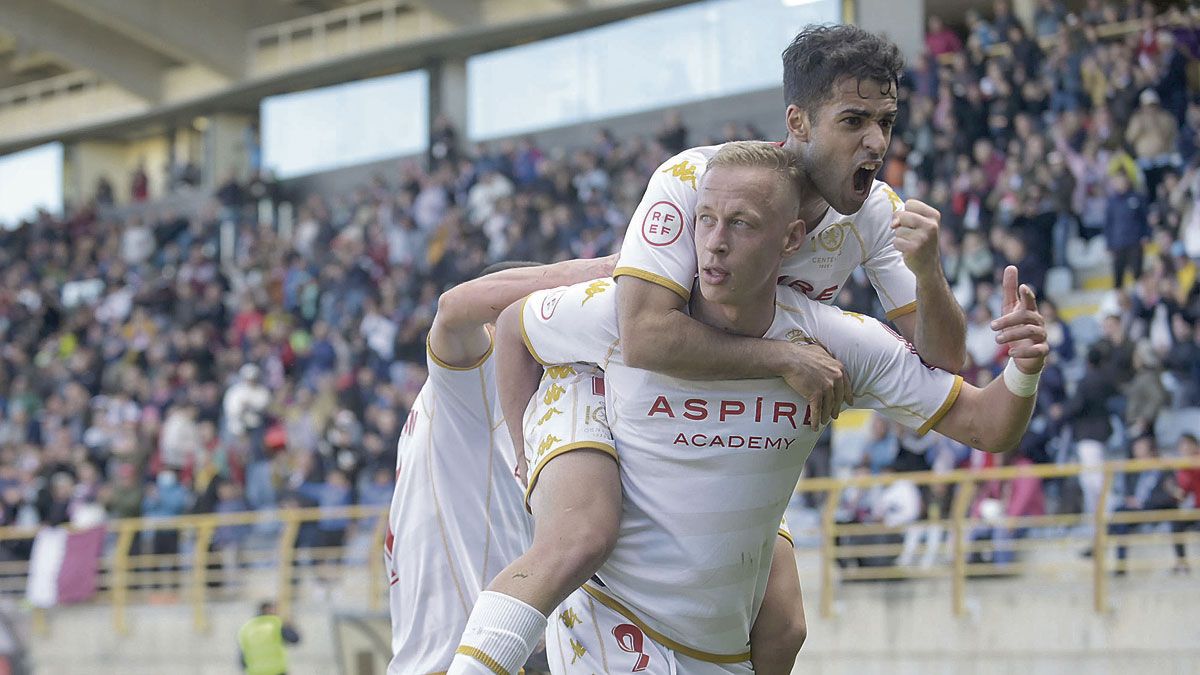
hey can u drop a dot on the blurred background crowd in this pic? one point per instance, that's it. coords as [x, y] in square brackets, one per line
[155, 362]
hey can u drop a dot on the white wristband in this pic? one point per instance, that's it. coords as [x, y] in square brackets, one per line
[1020, 383]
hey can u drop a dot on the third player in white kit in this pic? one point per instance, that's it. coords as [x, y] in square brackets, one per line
[456, 517]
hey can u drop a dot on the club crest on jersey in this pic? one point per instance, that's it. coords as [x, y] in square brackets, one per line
[685, 171]
[549, 304]
[662, 224]
[799, 337]
[832, 237]
[595, 415]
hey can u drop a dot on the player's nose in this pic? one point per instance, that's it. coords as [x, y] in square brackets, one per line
[874, 141]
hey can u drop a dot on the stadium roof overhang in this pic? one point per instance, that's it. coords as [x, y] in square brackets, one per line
[132, 44]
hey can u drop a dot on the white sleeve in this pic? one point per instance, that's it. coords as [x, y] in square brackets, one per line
[572, 324]
[659, 245]
[885, 371]
[458, 387]
[894, 283]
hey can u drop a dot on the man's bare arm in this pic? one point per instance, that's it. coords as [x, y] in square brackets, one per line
[458, 338]
[657, 335]
[938, 329]
[994, 419]
[518, 375]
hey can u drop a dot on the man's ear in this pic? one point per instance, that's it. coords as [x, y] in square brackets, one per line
[798, 125]
[794, 237]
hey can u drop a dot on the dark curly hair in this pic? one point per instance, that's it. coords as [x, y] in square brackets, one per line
[820, 55]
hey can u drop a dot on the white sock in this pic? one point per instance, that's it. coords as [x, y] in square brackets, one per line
[500, 635]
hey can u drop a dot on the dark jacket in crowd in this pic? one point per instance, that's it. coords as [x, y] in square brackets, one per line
[1125, 222]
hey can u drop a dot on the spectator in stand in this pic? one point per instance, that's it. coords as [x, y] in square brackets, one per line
[164, 498]
[1153, 133]
[1048, 18]
[443, 143]
[1125, 228]
[939, 39]
[245, 407]
[1186, 491]
[1143, 491]
[104, 192]
[139, 185]
[1145, 394]
[1002, 17]
[673, 136]
[1086, 415]
[1183, 361]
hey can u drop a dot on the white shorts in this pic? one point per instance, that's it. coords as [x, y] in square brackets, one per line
[567, 413]
[585, 637]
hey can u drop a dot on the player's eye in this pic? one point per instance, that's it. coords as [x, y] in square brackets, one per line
[853, 122]
[705, 219]
[887, 124]
[738, 222]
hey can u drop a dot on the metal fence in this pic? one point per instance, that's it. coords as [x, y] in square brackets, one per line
[209, 559]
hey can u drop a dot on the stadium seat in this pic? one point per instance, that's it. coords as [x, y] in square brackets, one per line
[1171, 424]
[1085, 330]
[1059, 281]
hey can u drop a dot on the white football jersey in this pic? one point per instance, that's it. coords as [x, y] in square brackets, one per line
[659, 244]
[456, 518]
[707, 468]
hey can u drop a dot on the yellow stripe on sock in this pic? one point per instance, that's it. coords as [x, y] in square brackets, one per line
[479, 655]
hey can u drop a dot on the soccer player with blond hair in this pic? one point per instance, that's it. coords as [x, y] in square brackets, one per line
[706, 468]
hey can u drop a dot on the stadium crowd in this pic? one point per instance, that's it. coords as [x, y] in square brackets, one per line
[151, 366]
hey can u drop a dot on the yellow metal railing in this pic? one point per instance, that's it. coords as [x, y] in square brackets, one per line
[128, 578]
[959, 525]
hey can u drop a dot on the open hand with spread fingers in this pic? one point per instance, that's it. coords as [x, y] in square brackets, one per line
[1021, 327]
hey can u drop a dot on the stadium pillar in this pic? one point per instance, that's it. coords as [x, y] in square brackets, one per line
[448, 93]
[227, 147]
[86, 162]
[903, 22]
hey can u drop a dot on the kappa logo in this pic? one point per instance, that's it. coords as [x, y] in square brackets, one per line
[569, 618]
[547, 443]
[549, 414]
[685, 171]
[894, 198]
[550, 303]
[554, 393]
[595, 288]
[559, 372]
[577, 650]
[662, 224]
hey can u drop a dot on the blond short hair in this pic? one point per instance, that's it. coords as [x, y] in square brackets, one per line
[757, 155]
